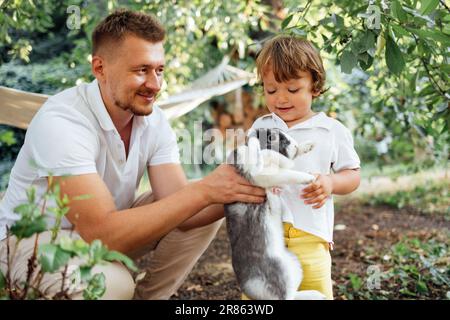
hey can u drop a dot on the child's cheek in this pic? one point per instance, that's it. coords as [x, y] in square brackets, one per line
[270, 103]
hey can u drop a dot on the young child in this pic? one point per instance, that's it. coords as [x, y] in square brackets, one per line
[293, 75]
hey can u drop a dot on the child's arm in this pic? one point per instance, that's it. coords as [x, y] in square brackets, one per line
[342, 182]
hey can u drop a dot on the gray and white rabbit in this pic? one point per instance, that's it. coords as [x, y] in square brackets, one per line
[264, 268]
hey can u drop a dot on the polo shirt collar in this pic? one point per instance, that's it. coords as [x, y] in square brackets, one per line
[319, 120]
[98, 107]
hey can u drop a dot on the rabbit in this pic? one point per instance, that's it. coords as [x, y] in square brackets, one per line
[264, 268]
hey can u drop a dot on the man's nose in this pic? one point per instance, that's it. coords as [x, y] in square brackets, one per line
[153, 82]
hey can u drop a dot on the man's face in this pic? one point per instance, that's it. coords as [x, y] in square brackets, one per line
[133, 75]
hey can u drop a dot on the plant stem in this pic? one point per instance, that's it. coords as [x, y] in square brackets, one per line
[31, 266]
[430, 76]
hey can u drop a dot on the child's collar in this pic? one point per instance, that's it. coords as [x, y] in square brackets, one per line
[318, 120]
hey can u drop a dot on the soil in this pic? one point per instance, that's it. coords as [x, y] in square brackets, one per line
[358, 227]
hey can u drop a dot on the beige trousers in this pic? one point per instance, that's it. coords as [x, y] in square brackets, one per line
[171, 260]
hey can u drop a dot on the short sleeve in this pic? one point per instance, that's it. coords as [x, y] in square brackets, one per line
[166, 150]
[62, 144]
[344, 155]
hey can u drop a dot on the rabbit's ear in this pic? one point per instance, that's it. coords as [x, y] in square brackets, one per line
[255, 159]
[250, 133]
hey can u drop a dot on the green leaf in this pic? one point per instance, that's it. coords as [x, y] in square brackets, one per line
[97, 250]
[117, 256]
[428, 6]
[2, 280]
[299, 32]
[96, 287]
[25, 228]
[75, 246]
[85, 273]
[421, 287]
[432, 34]
[348, 61]
[398, 12]
[337, 20]
[355, 281]
[399, 31]
[7, 137]
[365, 61]
[52, 257]
[369, 40]
[31, 194]
[286, 21]
[394, 57]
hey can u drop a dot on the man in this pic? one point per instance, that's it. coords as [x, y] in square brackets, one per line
[104, 135]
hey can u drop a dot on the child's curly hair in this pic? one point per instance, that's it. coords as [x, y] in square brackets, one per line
[287, 56]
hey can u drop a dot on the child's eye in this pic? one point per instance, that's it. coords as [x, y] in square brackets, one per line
[271, 92]
[293, 90]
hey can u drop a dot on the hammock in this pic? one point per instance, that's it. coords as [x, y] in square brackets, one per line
[17, 107]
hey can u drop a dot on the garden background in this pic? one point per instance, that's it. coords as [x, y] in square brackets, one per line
[387, 74]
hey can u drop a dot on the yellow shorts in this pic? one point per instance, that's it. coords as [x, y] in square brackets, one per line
[314, 256]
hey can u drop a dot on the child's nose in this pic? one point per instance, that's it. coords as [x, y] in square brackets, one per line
[282, 99]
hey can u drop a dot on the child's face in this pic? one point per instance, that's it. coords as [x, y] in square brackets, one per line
[290, 100]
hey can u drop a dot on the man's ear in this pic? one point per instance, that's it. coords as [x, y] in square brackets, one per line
[98, 67]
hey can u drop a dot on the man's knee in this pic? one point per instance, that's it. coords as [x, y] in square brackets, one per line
[118, 281]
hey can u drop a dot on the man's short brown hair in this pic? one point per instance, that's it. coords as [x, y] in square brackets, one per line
[121, 23]
[288, 55]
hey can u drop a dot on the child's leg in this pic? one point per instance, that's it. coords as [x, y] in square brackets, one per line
[314, 256]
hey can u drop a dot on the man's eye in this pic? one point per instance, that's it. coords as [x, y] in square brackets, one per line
[142, 70]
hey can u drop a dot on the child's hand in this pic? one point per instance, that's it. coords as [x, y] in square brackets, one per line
[317, 192]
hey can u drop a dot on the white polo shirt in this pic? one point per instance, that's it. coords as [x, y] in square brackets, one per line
[73, 134]
[333, 150]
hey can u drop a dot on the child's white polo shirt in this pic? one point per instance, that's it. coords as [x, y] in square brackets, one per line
[73, 134]
[333, 150]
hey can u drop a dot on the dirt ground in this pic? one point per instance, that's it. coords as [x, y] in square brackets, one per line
[357, 228]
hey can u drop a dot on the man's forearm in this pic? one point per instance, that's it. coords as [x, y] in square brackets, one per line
[345, 181]
[126, 230]
[206, 216]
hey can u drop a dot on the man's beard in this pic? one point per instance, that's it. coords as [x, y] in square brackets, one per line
[134, 109]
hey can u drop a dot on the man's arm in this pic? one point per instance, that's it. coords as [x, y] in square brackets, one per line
[127, 230]
[166, 179]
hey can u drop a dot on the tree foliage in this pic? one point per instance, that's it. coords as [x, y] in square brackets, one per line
[396, 55]
[387, 61]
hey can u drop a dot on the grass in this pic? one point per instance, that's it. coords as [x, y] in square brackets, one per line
[431, 197]
[410, 269]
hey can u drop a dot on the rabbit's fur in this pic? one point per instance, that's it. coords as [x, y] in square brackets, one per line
[264, 268]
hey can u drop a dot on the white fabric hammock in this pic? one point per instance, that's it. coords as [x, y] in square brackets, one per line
[17, 107]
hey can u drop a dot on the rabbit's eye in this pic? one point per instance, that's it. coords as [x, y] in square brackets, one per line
[273, 137]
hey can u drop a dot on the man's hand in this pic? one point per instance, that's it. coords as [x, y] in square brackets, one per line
[317, 192]
[225, 185]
